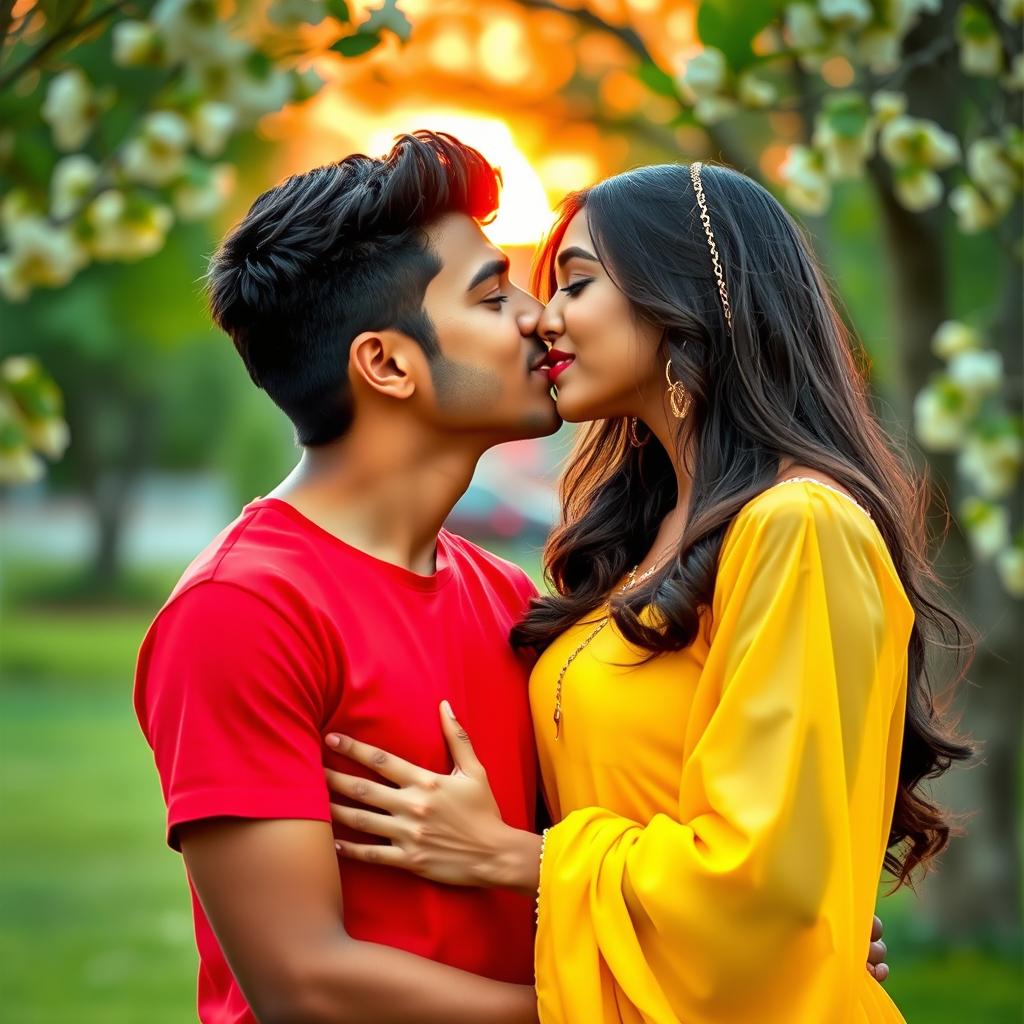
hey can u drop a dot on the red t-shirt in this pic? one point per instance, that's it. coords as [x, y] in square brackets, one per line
[278, 633]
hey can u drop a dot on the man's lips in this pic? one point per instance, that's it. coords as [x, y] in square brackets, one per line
[557, 363]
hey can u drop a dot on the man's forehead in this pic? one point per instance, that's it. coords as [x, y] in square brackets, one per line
[460, 244]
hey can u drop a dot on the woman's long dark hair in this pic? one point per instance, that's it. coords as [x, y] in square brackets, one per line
[783, 384]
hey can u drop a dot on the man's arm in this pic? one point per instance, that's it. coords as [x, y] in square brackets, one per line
[271, 891]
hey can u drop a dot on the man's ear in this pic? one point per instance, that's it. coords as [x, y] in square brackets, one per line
[384, 362]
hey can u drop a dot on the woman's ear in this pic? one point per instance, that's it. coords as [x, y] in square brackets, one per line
[381, 359]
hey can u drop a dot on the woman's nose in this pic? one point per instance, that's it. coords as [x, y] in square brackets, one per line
[550, 326]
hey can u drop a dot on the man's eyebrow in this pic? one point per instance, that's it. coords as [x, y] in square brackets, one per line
[575, 251]
[493, 268]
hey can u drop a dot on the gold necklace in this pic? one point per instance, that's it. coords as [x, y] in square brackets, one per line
[631, 582]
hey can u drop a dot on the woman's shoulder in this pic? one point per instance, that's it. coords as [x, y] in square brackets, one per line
[800, 498]
[786, 513]
[810, 514]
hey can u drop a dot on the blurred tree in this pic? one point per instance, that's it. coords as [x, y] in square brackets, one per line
[116, 119]
[116, 123]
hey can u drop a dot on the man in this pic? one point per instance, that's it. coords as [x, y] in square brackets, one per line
[367, 303]
[370, 307]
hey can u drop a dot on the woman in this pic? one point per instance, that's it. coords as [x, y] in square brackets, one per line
[730, 702]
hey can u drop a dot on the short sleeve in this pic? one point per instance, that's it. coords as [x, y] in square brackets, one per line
[231, 693]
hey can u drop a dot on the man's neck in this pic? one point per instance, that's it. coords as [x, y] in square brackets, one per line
[384, 497]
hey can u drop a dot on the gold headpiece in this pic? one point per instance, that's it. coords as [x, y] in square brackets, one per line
[705, 219]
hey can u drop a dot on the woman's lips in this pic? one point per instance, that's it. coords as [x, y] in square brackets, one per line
[558, 363]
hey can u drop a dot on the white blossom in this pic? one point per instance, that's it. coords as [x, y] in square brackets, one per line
[917, 188]
[135, 43]
[191, 30]
[940, 417]
[953, 337]
[888, 105]
[981, 55]
[157, 155]
[195, 200]
[807, 185]
[20, 466]
[908, 140]
[976, 371]
[70, 108]
[973, 211]
[73, 179]
[988, 527]
[126, 232]
[849, 15]
[1010, 566]
[989, 167]
[804, 28]
[212, 125]
[38, 254]
[706, 74]
[50, 436]
[844, 155]
[1014, 80]
[712, 109]
[880, 49]
[992, 464]
[754, 91]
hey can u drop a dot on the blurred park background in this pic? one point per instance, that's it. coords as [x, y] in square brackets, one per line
[132, 134]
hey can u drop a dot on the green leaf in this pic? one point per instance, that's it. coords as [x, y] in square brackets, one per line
[731, 27]
[358, 44]
[658, 81]
[848, 113]
[388, 18]
[338, 9]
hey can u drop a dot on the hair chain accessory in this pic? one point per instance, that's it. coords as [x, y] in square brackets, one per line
[705, 219]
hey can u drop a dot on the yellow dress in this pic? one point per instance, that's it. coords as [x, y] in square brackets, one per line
[722, 812]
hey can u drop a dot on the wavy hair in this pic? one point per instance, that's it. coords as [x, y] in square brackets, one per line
[782, 384]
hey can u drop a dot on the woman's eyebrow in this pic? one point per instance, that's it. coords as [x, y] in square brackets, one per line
[575, 251]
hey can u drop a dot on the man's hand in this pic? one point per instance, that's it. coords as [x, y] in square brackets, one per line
[444, 827]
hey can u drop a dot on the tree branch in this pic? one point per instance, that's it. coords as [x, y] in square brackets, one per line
[719, 141]
[69, 31]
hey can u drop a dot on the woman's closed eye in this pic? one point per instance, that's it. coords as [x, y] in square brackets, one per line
[572, 290]
[496, 301]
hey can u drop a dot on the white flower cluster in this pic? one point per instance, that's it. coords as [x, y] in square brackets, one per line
[961, 411]
[865, 32]
[31, 420]
[121, 207]
[715, 93]
[848, 130]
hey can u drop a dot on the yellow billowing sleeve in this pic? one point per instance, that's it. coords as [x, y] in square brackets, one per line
[752, 901]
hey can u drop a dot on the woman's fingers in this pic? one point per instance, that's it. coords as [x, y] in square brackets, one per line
[392, 768]
[390, 856]
[459, 743]
[876, 953]
[876, 928]
[360, 820]
[364, 790]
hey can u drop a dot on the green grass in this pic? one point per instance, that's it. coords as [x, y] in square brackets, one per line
[96, 924]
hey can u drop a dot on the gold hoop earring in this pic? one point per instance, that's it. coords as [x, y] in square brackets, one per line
[635, 441]
[678, 397]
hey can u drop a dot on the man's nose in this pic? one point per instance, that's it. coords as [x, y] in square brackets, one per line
[527, 322]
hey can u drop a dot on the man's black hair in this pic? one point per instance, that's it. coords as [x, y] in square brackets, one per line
[336, 251]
